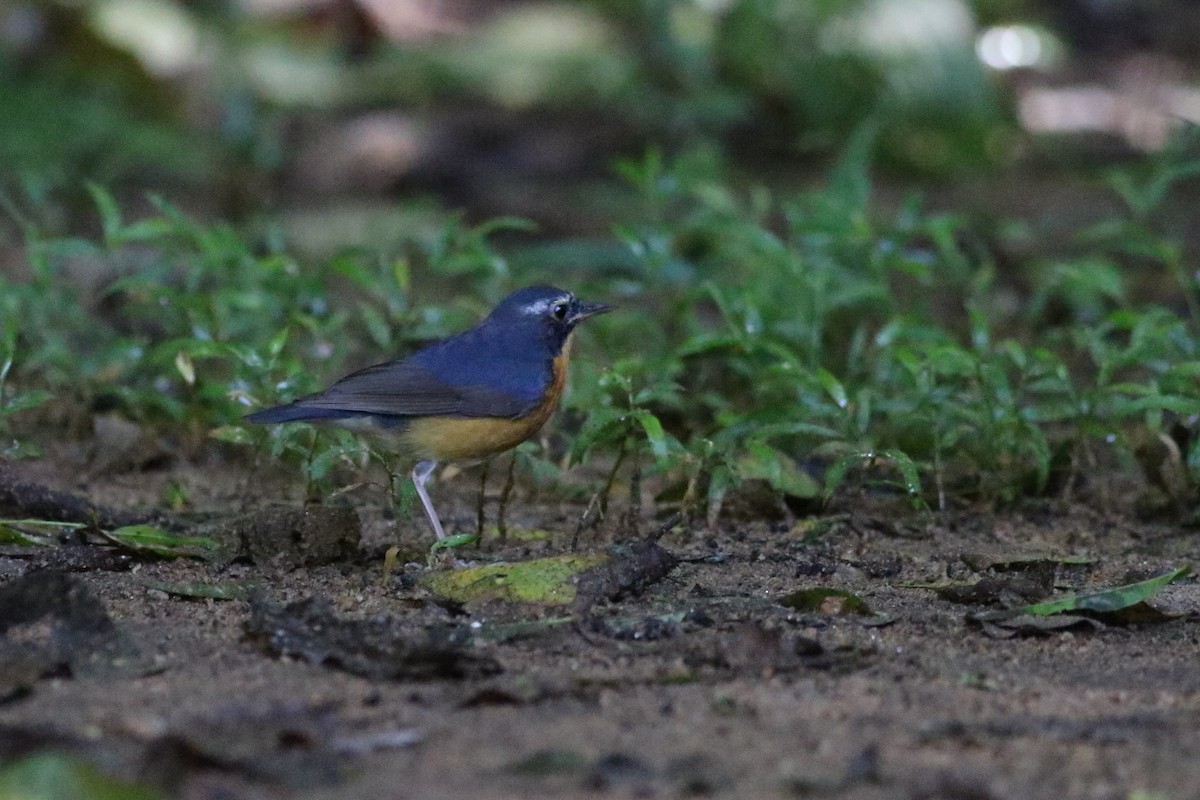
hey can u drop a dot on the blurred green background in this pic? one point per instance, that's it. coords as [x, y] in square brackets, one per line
[353, 121]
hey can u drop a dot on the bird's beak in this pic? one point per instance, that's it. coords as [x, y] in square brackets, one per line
[585, 310]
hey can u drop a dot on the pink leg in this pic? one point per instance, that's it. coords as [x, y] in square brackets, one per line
[420, 474]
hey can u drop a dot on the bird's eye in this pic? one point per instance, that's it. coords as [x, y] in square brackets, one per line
[559, 311]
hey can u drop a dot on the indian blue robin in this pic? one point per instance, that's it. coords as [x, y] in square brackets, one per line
[465, 398]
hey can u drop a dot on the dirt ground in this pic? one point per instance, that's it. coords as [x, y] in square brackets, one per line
[325, 680]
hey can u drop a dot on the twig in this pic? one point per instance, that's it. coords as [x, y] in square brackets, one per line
[600, 498]
[633, 518]
[612, 478]
[583, 520]
[666, 527]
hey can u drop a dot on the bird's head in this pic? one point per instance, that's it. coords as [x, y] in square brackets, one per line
[553, 312]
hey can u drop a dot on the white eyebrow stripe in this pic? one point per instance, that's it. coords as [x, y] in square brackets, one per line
[540, 307]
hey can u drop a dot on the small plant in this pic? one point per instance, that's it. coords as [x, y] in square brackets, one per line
[621, 421]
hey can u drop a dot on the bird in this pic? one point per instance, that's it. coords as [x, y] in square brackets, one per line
[464, 398]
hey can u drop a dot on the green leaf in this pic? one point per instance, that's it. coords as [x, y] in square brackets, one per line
[277, 342]
[1038, 446]
[952, 360]
[11, 535]
[146, 230]
[1119, 604]
[655, 434]
[833, 387]
[603, 426]
[706, 343]
[186, 368]
[1106, 600]
[1186, 369]
[902, 462]
[863, 406]
[402, 275]
[774, 430]
[25, 401]
[826, 601]
[234, 434]
[53, 776]
[110, 213]
[376, 325]
[908, 470]
[335, 446]
[1016, 354]
[156, 541]
[1160, 402]
[779, 470]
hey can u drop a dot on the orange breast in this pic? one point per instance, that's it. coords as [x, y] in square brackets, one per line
[461, 439]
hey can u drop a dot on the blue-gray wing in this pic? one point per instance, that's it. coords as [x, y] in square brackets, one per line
[464, 376]
[403, 390]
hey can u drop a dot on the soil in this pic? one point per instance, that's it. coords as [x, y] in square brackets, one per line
[324, 678]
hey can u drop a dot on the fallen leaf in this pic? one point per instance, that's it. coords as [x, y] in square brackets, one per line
[545, 581]
[826, 601]
[1117, 605]
[158, 542]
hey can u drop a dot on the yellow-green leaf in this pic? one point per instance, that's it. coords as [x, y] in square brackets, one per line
[545, 581]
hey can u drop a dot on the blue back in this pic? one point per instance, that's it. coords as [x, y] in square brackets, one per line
[502, 367]
[512, 361]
